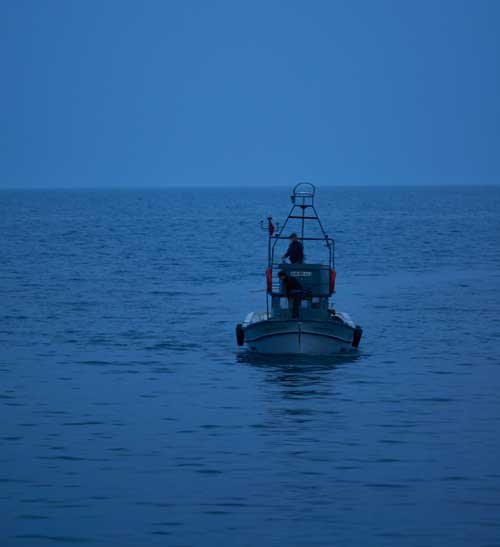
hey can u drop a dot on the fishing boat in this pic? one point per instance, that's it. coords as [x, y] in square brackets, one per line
[301, 321]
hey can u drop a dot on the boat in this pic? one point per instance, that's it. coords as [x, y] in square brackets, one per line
[301, 321]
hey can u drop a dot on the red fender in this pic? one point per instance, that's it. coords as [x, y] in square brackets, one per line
[333, 275]
[269, 280]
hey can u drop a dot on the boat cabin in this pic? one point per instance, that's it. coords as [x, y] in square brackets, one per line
[317, 286]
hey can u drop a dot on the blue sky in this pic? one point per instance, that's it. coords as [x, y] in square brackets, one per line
[159, 93]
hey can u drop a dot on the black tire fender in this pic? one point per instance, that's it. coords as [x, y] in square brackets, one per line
[240, 334]
[356, 338]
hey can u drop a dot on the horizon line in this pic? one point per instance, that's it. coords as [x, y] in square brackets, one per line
[243, 187]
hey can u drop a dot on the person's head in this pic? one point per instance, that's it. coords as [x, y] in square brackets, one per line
[292, 237]
[282, 275]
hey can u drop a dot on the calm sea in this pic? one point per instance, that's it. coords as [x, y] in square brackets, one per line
[129, 416]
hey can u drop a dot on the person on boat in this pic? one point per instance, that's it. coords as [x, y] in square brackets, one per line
[295, 251]
[293, 291]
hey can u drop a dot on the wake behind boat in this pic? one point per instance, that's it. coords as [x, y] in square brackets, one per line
[298, 318]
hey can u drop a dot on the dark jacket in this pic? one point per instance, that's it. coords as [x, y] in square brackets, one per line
[295, 252]
[291, 284]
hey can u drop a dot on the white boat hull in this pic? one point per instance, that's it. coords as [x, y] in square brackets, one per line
[299, 337]
[299, 344]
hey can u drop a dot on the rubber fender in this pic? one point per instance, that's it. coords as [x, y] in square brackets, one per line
[356, 338]
[240, 334]
[269, 280]
[333, 276]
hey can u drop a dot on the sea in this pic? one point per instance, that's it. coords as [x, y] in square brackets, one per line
[130, 417]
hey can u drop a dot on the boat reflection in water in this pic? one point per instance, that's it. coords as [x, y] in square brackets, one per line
[301, 376]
